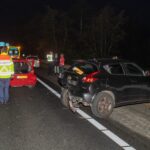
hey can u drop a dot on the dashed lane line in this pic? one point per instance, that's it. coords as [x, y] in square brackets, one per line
[95, 123]
[49, 88]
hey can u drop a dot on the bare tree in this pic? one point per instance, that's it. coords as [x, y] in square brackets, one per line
[49, 28]
[107, 31]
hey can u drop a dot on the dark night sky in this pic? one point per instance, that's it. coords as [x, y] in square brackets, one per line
[14, 13]
[21, 10]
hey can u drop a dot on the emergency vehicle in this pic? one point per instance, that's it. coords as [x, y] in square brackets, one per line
[23, 68]
[14, 51]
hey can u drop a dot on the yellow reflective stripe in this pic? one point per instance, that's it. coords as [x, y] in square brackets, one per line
[5, 77]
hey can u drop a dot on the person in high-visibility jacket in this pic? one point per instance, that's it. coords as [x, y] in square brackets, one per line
[6, 71]
[50, 59]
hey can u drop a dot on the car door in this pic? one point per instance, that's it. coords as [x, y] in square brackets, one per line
[117, 82]
[139, 83]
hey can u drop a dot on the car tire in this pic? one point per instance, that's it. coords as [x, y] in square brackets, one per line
[103, 105]
[65, 97]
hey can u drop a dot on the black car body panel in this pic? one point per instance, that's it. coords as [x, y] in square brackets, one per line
[125, 80]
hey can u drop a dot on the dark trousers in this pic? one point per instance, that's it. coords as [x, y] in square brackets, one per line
[61, 69]
[50, 68]
[4, 90]
[56, 69]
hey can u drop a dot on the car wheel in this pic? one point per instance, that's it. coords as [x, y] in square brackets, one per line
[103, 105]
[65, 97]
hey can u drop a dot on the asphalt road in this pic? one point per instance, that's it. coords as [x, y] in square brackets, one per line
[36, 120]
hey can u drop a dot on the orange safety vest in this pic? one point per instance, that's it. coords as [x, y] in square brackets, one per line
[6, 66]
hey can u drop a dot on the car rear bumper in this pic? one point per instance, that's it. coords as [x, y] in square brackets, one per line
[83, 92]
[23, 82]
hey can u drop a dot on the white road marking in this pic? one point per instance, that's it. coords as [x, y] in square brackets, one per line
[49, 88]
[95, 123]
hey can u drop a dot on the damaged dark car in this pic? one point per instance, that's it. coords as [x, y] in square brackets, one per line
[104, 84]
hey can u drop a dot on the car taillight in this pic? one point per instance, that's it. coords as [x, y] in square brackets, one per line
[90, 77]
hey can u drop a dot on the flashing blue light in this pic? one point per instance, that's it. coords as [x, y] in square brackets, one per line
[2, 44]
[7, 44]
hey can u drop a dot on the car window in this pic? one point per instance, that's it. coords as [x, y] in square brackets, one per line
[114, 69]
[133, 69]
[84, 68]
[21, 67]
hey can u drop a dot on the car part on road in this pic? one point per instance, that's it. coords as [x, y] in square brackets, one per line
[65, 97]
[72, 106]
[67, 101]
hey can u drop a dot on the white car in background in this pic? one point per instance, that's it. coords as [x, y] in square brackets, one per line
[36, 60]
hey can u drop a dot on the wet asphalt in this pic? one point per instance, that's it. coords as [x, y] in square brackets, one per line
[36, 120]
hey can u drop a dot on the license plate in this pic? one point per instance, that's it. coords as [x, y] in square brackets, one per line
[22, 77]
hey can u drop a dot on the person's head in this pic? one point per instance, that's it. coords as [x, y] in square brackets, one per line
[3, 49]
[61, 55]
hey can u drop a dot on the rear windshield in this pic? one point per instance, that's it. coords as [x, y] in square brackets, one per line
[84, 68]
[22, 67]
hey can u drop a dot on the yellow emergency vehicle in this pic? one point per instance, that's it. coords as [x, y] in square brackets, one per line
[14, 51]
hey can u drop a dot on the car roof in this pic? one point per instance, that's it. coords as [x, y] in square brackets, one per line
[32, 56]
[111, 60]
[101, 60]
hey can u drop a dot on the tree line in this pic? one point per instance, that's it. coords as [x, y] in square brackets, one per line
[80, 32]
